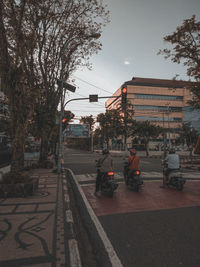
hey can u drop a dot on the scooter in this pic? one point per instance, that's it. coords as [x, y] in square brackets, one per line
[108, 183]
[175, 179]
[133, 180]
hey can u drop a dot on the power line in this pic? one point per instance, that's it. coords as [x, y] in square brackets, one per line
[92, 84]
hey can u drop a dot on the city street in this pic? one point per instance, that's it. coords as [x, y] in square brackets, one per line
[155, 227]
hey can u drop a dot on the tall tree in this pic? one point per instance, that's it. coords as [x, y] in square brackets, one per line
[146, 131]
[186, 48]
[111, 124]
[65, 32]
[19, 80]
[33, 35]
[190, 135]
[88, 120]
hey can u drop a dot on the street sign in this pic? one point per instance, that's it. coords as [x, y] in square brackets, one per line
[77, 131]
[67, 86]
[93, 98]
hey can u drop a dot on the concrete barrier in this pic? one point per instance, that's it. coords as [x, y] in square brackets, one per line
[102, 247]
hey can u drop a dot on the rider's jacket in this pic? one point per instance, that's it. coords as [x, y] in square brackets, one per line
[133, 163]
[173, 161]
[105, 163]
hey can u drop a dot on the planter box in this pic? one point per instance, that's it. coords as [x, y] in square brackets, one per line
[19, 189]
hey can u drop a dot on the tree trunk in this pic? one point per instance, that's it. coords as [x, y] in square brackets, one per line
[17, 147]
[43, 150]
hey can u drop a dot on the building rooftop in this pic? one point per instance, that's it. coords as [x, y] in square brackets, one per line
[156, 82]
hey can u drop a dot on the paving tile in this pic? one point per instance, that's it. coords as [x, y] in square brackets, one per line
[6, 209]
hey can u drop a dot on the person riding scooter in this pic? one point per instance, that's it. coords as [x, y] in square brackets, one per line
[133, 164]
[172, 162]
[104, 164]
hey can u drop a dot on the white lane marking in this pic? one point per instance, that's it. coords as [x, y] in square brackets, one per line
[119, 175]
[69, 216]
[75, 259]
[66, 197]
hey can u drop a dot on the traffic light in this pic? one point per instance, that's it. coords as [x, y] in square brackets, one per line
[64, 120]
[124, 95]
[64, 123]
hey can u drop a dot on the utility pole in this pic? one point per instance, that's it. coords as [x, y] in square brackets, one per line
[164, 135]
[169, 143]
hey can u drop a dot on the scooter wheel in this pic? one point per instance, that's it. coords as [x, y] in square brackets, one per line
[137, 188]
[110, 194]
[179, 187]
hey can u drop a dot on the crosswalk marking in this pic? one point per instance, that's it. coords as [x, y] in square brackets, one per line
[119, 175]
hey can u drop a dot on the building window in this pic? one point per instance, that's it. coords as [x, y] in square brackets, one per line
[158, 108]
[158, 97]
[147, 118]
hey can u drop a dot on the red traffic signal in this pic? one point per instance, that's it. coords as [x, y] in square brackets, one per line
[64, 120]
[124, 95]
[124, 90]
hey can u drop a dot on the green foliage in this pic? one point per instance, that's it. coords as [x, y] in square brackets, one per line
[146, 130]
[88, 120]
[189, 134]
[110, 124]
[186, 48]
[33, 36]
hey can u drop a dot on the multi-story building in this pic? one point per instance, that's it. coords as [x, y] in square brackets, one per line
[162, 102]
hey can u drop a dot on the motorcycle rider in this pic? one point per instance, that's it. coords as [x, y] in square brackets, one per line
[133, 163]
[173, 163]
[105, 164]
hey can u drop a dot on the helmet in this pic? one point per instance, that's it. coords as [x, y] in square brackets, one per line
[172, 151]
[133, 151]
[105, 151]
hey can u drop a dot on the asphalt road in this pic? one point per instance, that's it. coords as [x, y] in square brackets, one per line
[84, 162]
[164, 238]
[153, 228]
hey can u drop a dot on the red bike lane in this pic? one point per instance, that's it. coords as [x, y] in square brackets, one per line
[154, 227]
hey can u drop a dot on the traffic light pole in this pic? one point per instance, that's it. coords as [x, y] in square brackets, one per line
[125, 129]
[87, 98]
[63, 105]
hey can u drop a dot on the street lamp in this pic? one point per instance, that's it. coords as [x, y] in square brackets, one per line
[169, 136]
[62, 97]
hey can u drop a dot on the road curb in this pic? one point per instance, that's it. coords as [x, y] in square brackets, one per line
[74, 255]
[102, 247]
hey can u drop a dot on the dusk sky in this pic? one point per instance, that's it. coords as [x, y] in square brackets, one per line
[131, 42]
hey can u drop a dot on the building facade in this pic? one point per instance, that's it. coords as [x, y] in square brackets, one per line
[162, 102]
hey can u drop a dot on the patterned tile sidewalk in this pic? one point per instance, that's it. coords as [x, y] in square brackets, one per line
[32, 229]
